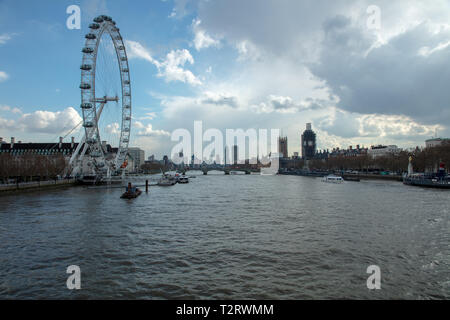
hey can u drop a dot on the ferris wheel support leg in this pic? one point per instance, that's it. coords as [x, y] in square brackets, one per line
[77, 150]
[70, 168]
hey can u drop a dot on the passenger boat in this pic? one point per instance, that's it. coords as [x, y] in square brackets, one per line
[183, 179]
[166, 181]
[333, 179]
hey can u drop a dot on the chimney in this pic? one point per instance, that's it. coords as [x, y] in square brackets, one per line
[60, 142]
[308, 126]
[12, 142]
[72, 143]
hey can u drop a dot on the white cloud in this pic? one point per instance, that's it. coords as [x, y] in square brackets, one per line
[136, 50]
[148, 116]
[171, 68]
[247, 51]
[45, 121]
[7, 124]
[5, 38]
[180, 9]
[113, 128]
[3, 76]
[148, 130]
[202, 39]
[139, 125]
[427, 51]
[373, 128]
[219, 99]
[287, 105]
[10, 109]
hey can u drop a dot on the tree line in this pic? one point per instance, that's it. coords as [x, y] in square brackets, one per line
[424, 160]
[29, 167]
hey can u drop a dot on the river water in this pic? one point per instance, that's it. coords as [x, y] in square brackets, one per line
[228, 237]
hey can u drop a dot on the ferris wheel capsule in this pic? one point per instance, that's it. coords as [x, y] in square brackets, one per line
[86, 105]
[87, 50]
[85, 86]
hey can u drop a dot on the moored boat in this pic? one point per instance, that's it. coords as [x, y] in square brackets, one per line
[353, 178]
[420, 180]
[439, 180]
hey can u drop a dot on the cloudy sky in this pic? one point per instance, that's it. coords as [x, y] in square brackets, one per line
[238, 64]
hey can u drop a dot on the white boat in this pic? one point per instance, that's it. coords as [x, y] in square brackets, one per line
[166, 181]
[333, 179]
[183, 179]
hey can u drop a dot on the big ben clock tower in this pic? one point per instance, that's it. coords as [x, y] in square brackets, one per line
[308, 143]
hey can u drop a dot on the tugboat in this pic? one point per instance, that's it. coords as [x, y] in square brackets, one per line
[434, 180]
[131, 192]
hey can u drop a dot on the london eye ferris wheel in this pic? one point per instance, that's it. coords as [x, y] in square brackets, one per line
[105, 102]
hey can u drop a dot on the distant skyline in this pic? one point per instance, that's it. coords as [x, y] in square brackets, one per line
[238, 64]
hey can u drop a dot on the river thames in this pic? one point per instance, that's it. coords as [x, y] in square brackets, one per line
[228, 237]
